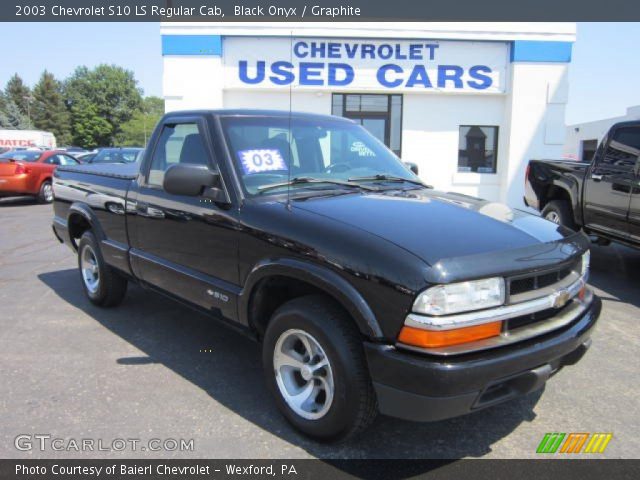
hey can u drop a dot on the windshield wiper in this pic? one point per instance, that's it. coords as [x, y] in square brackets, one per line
[388, 178]
[311, 180]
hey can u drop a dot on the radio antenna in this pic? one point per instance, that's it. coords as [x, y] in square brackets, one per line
[290, 136]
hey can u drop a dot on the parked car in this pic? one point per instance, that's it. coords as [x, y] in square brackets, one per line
[86, 157]
[369, 291]
[29, 172]
[73, 149]
[602, 197]
[116, 155]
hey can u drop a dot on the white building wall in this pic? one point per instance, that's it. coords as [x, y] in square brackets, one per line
[430, 138]
[534, 116]
[312, 102]
[192, 82]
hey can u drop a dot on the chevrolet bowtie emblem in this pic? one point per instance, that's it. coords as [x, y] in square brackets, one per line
[561, 298]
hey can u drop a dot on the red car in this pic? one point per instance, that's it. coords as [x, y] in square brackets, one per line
[29, 172]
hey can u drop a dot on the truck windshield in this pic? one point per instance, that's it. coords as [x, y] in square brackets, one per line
[274, 153]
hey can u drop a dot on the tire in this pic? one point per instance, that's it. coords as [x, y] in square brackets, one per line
[101, 283]
[45, 194]
[559, 211]
[344, 403]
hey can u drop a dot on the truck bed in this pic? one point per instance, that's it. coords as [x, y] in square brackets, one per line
[551, 179]
[561, 162]
[127, 171]
[102, 189]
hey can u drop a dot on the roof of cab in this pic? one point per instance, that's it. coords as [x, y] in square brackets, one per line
[247, 112]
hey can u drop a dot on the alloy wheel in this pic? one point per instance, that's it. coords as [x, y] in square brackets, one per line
[90, 269]
[553, 217]
[303, 374]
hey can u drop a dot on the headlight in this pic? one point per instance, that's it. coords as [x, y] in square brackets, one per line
[586, 258]
[461, 297]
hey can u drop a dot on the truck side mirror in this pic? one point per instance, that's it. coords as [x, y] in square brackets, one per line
[412, 166]
[194, 180]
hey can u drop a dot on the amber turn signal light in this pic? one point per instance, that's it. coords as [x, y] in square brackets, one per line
[417, 337]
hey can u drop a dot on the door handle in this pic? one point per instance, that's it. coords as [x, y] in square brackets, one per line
[596, 177]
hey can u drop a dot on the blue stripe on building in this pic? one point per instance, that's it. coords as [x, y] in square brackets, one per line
[192, 45]
[540, 51]
[521, 50]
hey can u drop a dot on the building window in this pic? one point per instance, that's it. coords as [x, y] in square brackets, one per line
[381, 115]
[477, 149]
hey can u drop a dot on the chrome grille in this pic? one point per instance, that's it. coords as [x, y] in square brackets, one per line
[526, 320]
[525, 287]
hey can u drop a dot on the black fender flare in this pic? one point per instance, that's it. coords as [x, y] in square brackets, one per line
[323, 278]
[84, 210]
[571, 188]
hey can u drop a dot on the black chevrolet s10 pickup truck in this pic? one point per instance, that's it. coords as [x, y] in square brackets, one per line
[602, 196]
[368, 290]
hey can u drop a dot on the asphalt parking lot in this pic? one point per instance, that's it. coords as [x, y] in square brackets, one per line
[155, 369]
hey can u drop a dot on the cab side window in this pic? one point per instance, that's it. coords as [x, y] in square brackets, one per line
[623, 149]
[178, 143]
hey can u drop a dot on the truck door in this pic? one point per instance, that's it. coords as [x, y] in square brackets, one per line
[184, 245]
[630, 137]
[609, 182]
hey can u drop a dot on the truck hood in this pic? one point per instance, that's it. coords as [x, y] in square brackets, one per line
[435, 225]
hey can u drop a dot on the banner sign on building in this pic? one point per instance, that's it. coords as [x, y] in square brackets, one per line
[365, 65]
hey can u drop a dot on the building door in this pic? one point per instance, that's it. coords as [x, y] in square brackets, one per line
[381, 115]
[378, 126]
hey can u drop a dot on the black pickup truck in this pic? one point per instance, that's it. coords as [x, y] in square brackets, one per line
[368, 290]
[602, 197]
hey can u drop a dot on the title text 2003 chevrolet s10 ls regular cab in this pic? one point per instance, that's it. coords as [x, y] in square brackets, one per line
[368, 290]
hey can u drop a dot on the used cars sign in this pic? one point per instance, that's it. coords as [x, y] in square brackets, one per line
[399, 65]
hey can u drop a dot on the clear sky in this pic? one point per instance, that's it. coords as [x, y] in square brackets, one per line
[604, 74]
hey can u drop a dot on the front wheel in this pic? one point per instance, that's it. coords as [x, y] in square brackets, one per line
[102, 285]
[315, 367]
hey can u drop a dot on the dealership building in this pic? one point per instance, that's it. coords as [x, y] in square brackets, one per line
[469, 103]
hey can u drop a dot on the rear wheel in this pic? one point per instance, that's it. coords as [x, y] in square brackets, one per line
[315, 367]
[45, 195]
[559, 212]
[101, 283]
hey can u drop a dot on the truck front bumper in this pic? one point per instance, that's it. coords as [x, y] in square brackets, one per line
[428, 388]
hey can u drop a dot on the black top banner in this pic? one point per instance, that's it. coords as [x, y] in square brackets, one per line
[317, 10]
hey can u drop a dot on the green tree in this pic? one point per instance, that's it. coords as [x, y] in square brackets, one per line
[136, 131]
[11, 117]
[113, 96]
[88, 128]
[48, 111]
[17, 92]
